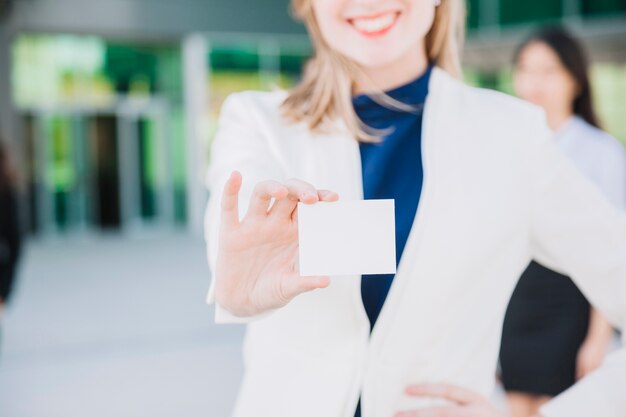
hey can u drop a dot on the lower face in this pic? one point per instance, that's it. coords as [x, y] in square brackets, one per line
[375, 33]
[541, 78]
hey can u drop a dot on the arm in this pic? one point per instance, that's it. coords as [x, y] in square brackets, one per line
[253, 258]
[609, 174]
[236, 146]
[596, 344]
[575, 229]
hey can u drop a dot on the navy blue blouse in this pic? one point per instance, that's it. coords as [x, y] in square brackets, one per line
[392, 169]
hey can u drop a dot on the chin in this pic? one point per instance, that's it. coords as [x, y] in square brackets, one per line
[375, 59]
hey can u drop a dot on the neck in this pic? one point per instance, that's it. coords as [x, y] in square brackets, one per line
[395, 74]
[556, 119]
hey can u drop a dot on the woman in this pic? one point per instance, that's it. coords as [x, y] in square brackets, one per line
[488, 188]
[9, 228]
[551, 338]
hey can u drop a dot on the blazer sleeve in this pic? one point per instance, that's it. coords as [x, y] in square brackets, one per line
[238, 145]
[576, 230]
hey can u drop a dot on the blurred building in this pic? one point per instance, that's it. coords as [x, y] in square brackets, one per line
[112, 104]
[497, 26]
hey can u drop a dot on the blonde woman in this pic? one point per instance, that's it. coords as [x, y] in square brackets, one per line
[480, 189]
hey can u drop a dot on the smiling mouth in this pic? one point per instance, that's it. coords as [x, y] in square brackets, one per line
[375, 25]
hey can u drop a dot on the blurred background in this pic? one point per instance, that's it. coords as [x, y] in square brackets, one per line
[109, 108]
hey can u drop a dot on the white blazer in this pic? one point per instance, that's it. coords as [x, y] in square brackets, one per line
[497, 192]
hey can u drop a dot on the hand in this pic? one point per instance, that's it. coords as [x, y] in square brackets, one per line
[590, 357]
[257, 257]
[466, 403]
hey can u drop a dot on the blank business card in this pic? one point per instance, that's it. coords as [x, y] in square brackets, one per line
[347, 237]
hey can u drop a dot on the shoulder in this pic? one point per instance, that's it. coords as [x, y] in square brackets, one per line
[257, 105]
[483, 105]
[251, 125]
[594, 137]
[599, 152]
[258, 116]
[488, 116]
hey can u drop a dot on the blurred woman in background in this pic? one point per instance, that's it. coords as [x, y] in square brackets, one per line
[551, 336]
[9, 227]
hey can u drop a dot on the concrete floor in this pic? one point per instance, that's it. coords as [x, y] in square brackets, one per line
[117, 327]
[114, 327]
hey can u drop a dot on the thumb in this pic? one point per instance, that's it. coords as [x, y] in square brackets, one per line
[296, 284]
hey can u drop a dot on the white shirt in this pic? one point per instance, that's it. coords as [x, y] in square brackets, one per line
[598, 155]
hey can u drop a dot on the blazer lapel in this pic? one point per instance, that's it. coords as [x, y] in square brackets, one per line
[407, 267]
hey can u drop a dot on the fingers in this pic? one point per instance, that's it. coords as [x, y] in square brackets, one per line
[448, 392]
[300, 191]
[580, 372]
[406, 414]
[468, 403]
[327, 195]
[262, 195]
[286, 197]
[435, 412]
[230, 199]
[284, 208]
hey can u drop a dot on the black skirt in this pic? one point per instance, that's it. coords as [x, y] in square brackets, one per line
[545, 324]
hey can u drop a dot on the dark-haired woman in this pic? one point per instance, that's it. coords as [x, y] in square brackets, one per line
[9, 228]
[551, 336]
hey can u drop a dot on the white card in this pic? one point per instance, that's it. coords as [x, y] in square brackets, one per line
[347, 237]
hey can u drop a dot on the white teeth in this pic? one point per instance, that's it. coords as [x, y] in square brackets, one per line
[377, 24]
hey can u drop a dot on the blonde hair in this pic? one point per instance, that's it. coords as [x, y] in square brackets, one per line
[325, 91]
